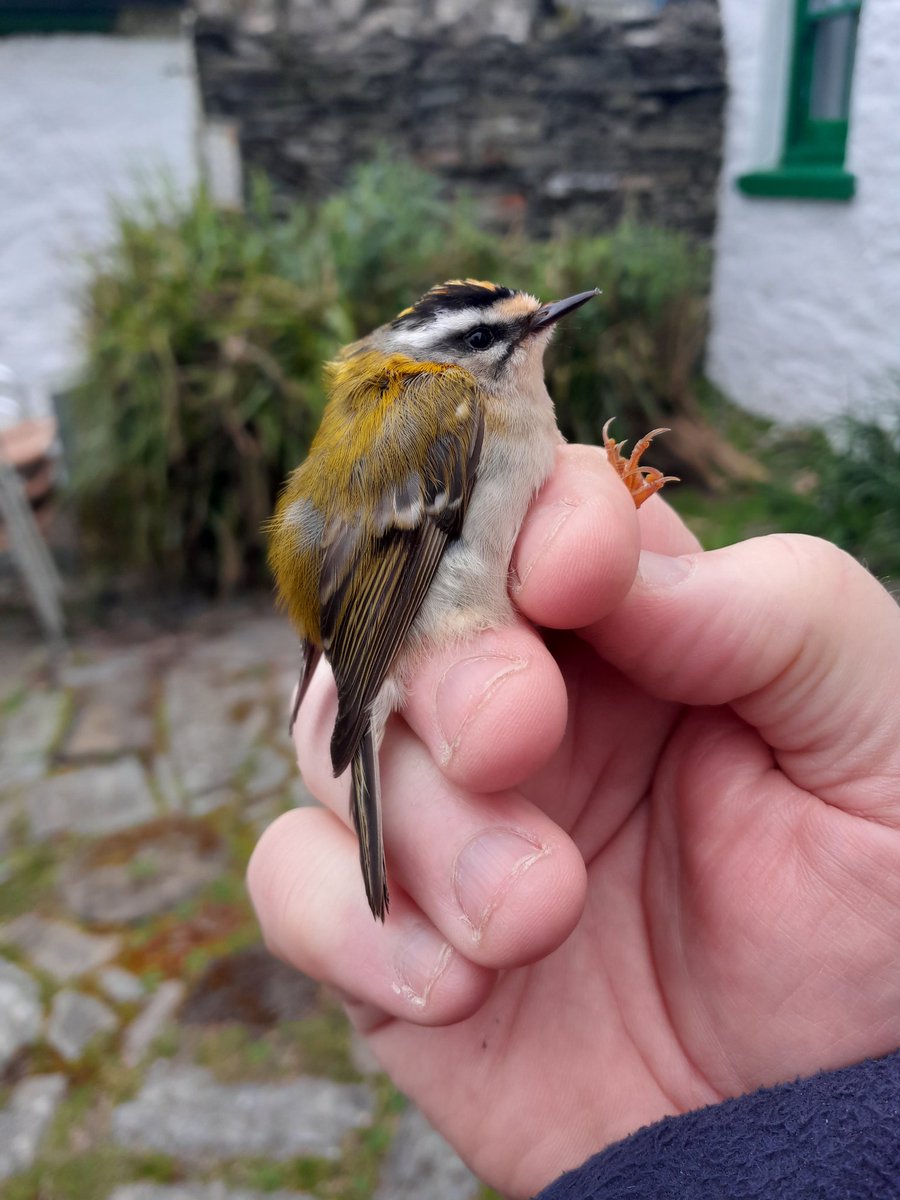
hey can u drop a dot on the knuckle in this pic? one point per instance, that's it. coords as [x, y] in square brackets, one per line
[820, 562]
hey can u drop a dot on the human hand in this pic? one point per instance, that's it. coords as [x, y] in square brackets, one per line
[651, 864]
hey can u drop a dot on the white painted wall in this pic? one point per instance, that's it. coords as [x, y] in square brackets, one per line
[806, 294]
[81, 119]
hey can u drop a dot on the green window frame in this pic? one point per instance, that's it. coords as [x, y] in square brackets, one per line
[821, 75]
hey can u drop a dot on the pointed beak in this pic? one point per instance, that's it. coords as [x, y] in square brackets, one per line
[549, 314]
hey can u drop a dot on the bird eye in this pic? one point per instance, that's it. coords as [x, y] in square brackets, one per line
[479, 338]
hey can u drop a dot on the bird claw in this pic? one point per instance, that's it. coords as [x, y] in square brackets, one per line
[641, 481]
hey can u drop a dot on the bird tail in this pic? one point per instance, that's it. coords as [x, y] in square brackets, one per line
[365, 806]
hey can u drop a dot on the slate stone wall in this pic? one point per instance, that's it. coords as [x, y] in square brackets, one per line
[546, 112]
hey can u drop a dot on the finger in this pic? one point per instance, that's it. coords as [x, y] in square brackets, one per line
[663, 531]
[796, 636]
[491, 711]
[304, 881]
[498, 877]
[494, 873]
[578, 548]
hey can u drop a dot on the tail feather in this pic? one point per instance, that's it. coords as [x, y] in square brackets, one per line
[365, 806]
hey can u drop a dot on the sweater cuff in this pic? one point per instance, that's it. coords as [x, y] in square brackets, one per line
[835, 1136]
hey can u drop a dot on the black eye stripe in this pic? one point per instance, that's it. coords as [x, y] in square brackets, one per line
[503, 331]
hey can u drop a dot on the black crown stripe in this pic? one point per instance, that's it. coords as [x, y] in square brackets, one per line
[449, 297]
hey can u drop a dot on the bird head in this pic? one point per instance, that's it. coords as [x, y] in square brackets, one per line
[496, 333]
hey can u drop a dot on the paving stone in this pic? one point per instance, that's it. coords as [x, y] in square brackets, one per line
[197, 1191]
[33, 726]
[267, 772]
[120, 985]
[362, 1055]
[60, 950]
[149, 1024]
[283, 686]
[212, 727]
[164, 863]
[27, 735]
[251, 643]
[91, 800]
[420, 1163]
[75, 1019]
[106, 726]
[184, 1112]
[253, 987]
[20, 1010]
[10, 811]
[167, 783]
[248, 706]
[261, 813]
[287, 676]
[17, 772]
[20, 660]
[106, 667]
[25, 1119]
[112, 713]
[207, 802]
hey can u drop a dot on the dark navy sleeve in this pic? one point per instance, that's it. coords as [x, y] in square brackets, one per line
[835, 1136]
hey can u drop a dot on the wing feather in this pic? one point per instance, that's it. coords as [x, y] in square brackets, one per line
[377, 571]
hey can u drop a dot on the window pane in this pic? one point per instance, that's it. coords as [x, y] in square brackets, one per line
[833, 47]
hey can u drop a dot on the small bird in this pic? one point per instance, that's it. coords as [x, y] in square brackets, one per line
[395, 534]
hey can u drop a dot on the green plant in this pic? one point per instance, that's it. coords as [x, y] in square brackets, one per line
[633, 353]
[840, 482]
[858, 493]
[391, 234]
[200, 391]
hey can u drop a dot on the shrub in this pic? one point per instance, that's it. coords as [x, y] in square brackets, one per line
[205, 333]
[633, 353]
[204, 338]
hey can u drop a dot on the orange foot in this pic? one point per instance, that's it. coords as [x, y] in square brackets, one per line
[642, 482]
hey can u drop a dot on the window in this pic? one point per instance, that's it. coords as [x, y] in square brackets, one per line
[67, 16]
[812, 160]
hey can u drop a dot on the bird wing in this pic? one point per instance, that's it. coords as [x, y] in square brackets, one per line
[377, 568]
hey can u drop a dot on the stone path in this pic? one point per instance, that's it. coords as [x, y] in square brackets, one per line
[150, 1048]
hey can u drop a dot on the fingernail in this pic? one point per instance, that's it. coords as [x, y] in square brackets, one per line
[663, 570]
[540, 533]
[422, 960]
[486, 868]
[464, 689]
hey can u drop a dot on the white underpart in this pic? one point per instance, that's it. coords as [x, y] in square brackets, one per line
[470, 590]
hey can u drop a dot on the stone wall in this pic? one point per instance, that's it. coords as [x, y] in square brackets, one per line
[547, 112]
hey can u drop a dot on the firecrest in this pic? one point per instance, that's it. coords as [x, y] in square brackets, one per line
[396, 532]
